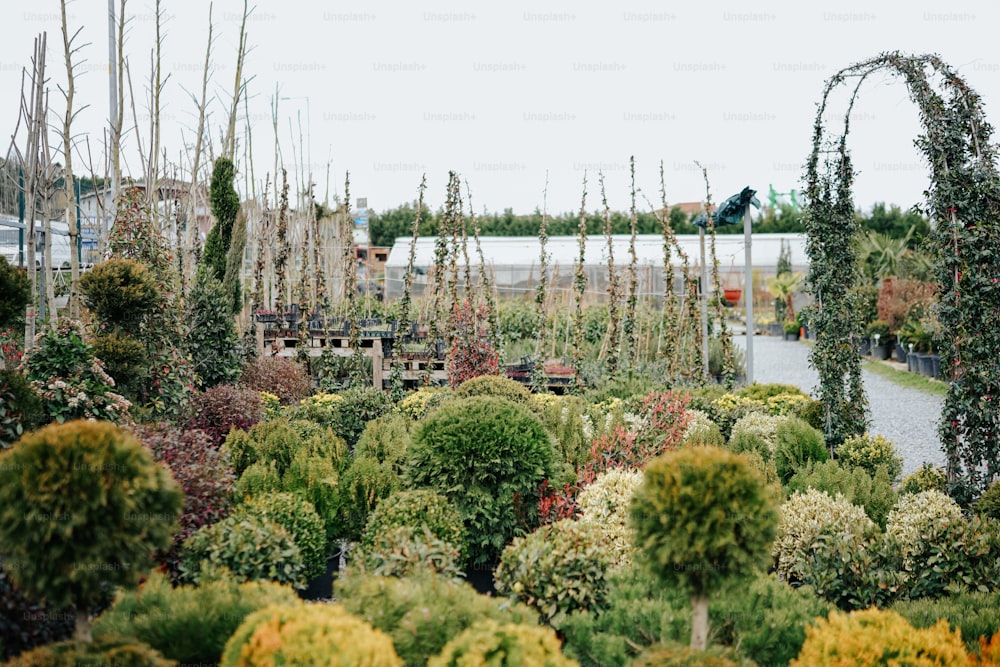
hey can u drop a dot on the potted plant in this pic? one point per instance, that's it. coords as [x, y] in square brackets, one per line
[878, 334]
[792, 329]
[266, 315]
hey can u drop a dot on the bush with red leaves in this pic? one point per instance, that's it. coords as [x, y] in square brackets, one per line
[218, 410]
[472, 352]
[288, 380]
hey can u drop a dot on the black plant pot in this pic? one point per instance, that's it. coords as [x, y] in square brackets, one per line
[321, 587]
[775, 329]
[926, 365]
[913, 362]
[935, 366]
[792, 336]
[481, 578]
[900, 353]
[864, 347]
[880, 352]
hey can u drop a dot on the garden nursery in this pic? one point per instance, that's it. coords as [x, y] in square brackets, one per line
[236, 453]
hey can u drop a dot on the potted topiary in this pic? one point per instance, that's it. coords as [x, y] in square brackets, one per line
[878, 334]
[792, 328]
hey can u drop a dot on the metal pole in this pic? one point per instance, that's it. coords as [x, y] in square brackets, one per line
[704, 304]
[113, 104]
[748, 291]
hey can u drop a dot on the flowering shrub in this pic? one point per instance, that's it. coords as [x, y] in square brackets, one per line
[225, 407]
[917, 513]
[869, 452]
[472, 352]
[604, 505]
[806, 515]
[70, 380]
[288, 380]
[12, 346]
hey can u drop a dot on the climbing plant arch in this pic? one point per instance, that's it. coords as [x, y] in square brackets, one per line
[963, 202]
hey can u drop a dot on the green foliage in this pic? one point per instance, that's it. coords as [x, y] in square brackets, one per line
[762, 392]
[299, 518]
[975, 614]
[756, 431]
[252, 548]
[877, 637]
[190, 624]
[402, 551]
[703, 431]
[604, 508]
[27, 623]
[308, 634]
[418, 509]
[386, 440]
[796, 444]
[422, 612]
[564, 419]
[869, 452]
[676, 655]
[358, 407]
[418, 404]
[15, 288]
[494, 385]
[988, 505]
[953, 556]
[914, 514]
[21, 408]
[279, 440]
[259, 478]
[92, 654]
[212, 341]
[488, 456]
[119, 292]
[125, 359]
[83, 506]
[925, 478]
[508, 644]
[225, 203]
[721, 519]
[876, 495]
[557, 570]
[361, 488]
[315, 479]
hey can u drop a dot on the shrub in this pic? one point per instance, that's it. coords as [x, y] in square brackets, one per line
[83, 506]
[975, 614]
[15, 294]
[676, 655]
[875, 495]
[299, 518]
[487, 456]
[125, 359]
[926, 478]
[260, 477]
[915, 514]
[563, 417]
[190, 624]
[988, 505]
[472, 351]
[511, 644]
[224, 407]
[721, 521]
[851, 570]
[80, 654]
[419, 509]
[202, 471]
[418, 404]
[797, 443]
[761, 392]
[315, 479]
[279, 440]
[360, 490]
[702, 431]
[422, 612]
[308, 634]
[727, 409]
[211, 341]
[758, 429]
[288, 380]
[402, 551]
[955, 556]
[320, 407]
[21, 408]
[557, 570]
[804, 516]
[119, 291]
[869, 452]
[604, 506]
[24, 623]
[386, 440]
[873, 637]
[494, 385]
[356, 409]
[252, 548]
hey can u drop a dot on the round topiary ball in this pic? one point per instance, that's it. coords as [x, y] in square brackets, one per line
[492, 643]
[308, 634]
[915, 513]
[868, 452]
[494, 385]
[488, 456]
[118, 291]
[298, 516]
[83, 506]
[419, 509]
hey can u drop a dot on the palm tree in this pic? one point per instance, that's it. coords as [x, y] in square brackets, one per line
[783, 287]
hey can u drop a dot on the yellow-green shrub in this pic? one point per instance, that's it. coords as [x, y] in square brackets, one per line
[869, 452]
[494, 385]
[676, 655]
[75, 653]
[418, 509]
[386, 439]
[702, 430]
[506, 645]
[308, 634]
[915, 514]
[926, 478]
[879, 637]
[417, 404]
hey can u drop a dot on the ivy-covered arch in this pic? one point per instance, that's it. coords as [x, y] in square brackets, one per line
[963, 202]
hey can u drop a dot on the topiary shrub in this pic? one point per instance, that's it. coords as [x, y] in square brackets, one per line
[494, 385]
[299, 518]
[358, 407]
[915, 514]
[796, 444]
[360, 490]
[118, 291]
[252, 548]
[424, 611]
[804, 516]
[868, 452]
[878, 637]
[402, 551]
[225, 407]
[488, 456]
[82, 654]
[386, 440]
[702, 430]
[83, 506]
[287, 379]
[505, 644]
[557, 570]
[190, 624]
[308, 634]
[418, 509]
[211, 340]
[21, 408]
[925, 478]
[676, 655]
[279, 440]
[875, 495]
[703, 517]
[988, 505]
[24, 623]
[604, 507]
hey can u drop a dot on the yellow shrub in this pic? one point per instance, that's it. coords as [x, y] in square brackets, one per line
[507, 645]
[879, 637]
[308, 634]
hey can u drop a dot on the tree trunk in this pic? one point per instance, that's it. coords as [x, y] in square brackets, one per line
[82, 629]
[699, 622]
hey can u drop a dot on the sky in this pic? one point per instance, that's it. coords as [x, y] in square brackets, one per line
[517, 95]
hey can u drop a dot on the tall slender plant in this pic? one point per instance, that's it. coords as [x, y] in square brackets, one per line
[486, 285]
[396, 376]
[611, 362]
[630, 342]
[580, 288]
[538, 381]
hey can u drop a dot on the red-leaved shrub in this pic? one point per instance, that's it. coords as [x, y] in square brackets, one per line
[224, 407]
[472, 352]
[287, 379]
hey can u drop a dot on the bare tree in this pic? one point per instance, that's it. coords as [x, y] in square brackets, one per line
[192, 216]
[239, 88]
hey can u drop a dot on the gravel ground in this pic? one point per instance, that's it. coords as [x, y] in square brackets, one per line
[906, 416]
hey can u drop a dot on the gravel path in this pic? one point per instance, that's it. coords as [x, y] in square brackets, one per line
[906, 416]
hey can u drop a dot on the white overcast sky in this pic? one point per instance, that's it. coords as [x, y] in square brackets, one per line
[505, 92]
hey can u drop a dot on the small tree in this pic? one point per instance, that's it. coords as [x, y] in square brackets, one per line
[702, 517]
[225, 207]
[15, 294]
[84, 507]
[212, 340]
